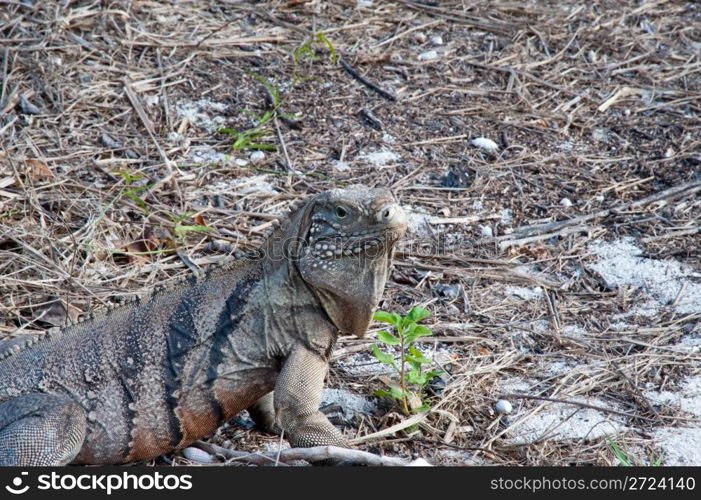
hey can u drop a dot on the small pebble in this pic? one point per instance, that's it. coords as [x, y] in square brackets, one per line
[419, 462]
[486, 231]
[428, 56]
[565, 202]
[419, 37]
[503, 407]
[257, 156]
[437, 40]
[197, 455]
[486, 144]
[110, 142]
[151, 100]
[449, 291]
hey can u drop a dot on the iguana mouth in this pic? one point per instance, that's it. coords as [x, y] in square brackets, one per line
[353, 243]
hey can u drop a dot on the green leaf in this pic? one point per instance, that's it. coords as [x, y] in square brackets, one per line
[322, 38]
[418, 355]
[388, 338]
[181, 230]
[423, 408]
[415, 331]
[387, 317]
[261, 146]
[413, 362]
[416, 377]
[417, 314]
[396, 392]
[382, 357]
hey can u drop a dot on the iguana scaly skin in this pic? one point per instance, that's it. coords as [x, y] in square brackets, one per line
[163, 371]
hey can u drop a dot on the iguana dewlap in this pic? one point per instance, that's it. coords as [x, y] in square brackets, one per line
[163, 371]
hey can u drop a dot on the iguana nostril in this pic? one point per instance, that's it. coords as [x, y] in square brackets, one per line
[391, 214]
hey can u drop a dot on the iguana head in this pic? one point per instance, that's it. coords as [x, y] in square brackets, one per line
[348, 239]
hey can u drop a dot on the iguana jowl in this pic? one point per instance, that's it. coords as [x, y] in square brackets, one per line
[163, 371]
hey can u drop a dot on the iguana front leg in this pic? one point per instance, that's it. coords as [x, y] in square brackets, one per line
[297, 397]
[40, 429]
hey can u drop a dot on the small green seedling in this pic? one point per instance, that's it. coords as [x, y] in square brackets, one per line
[412, 364]
[130, 190]
[627, 459]
[306, 50]
[183, 229]
[250, 139]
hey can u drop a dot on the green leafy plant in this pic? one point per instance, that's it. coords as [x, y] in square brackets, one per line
[411, 367]
[132, 191]
[306, 50]
[249, 139]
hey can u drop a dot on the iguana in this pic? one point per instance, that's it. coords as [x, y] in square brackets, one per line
[160, 372]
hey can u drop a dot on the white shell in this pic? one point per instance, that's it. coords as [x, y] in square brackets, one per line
[503, 407]
[484, 143]
[428, 56]
[486, 231]
[565, 202]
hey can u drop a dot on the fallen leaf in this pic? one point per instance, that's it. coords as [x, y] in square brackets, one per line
[39, 170]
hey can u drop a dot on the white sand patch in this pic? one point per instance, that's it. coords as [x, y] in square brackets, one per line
[515, 385]
[208, 156]
[525, 293]
[507, 216]
[388, 138]
[418, 221]
[691, 343]
[562, 422]
[620, 263]
[341, 166]
[363, 364]
[256, 184]
[245, 185]
[688, 398]
[621, 325]
[349, 402]
[574, 331]
[556, 368]
[200, 113]
[380, 158]
[681, 445]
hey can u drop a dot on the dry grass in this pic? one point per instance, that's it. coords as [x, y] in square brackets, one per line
[599, 104]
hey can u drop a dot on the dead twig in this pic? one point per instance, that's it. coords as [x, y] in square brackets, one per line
[375, 88]
[314, 454]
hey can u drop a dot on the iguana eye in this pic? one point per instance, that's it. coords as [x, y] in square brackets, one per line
[341, 212]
